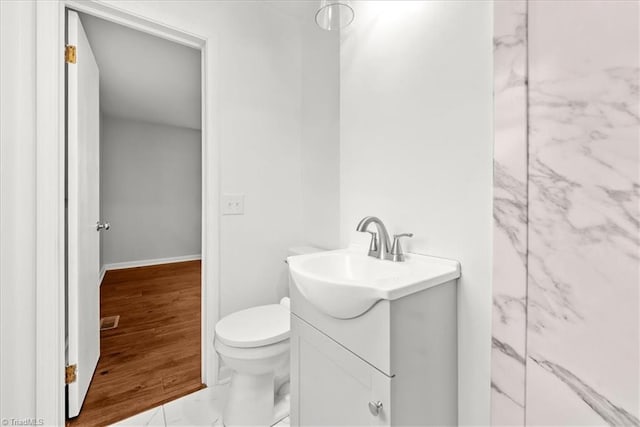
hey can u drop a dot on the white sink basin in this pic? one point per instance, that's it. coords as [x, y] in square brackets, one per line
[347, 283]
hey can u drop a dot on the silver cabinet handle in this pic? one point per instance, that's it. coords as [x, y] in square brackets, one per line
[100, 226]
[375, 408]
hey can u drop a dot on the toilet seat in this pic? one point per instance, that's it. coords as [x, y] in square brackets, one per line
[247, 354]
[254, 327]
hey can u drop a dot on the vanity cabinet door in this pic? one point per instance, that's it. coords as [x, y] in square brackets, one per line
[331, 386]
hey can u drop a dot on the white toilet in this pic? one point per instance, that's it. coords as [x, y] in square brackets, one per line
[254, 344]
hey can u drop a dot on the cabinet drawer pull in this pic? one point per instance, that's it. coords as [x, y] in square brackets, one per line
[375, 407]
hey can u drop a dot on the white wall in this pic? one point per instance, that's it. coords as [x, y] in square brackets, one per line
[416, 150]
[17, 210]
[320, 135]
[150, 190]
[260, 153]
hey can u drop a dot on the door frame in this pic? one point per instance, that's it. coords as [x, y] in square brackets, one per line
[50, 190]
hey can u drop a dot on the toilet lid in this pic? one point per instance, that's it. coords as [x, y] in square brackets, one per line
[254, 327]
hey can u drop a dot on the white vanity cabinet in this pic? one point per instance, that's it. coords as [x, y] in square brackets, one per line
[333, 386]
[395, 365]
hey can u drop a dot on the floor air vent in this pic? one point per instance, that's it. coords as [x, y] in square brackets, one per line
[110, 322]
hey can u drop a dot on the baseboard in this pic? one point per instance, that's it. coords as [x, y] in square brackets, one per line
[103, 271]
[148, 262]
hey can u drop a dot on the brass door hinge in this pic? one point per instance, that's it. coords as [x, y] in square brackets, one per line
[70, 374]
[70, 54]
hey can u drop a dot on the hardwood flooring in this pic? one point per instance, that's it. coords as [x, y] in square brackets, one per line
[153, 356]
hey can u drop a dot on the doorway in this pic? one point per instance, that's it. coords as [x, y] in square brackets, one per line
[134, 216]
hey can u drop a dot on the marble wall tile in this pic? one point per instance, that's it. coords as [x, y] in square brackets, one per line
[510, 214]
[566, 328]
[583, 232]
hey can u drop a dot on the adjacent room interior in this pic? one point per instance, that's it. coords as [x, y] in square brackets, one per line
[150, 206]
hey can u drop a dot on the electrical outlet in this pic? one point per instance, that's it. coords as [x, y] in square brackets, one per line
[233, 204]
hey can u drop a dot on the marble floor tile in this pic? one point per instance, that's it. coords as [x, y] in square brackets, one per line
[283, 423]
[152, 417]
[202, 408]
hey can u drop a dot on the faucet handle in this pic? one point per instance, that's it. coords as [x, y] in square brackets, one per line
[397, 254]
[373, 245]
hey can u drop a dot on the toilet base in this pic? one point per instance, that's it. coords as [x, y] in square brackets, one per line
[255, 392]
[281, 409]
[250, 391]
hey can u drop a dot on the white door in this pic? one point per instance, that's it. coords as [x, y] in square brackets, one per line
[83, 209]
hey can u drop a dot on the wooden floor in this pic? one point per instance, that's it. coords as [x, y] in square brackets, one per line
[153, 356]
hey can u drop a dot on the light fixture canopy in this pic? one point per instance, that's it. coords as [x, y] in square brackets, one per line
[334, 15]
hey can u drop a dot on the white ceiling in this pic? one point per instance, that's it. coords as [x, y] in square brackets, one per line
[143, 77]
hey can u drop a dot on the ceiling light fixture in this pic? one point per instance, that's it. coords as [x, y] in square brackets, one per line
[334, 15]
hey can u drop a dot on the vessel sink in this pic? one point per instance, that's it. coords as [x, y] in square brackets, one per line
[346, 283]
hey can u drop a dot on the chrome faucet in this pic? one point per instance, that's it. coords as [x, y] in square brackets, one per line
[380, 244]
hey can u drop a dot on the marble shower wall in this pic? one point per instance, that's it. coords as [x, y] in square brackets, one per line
[509, 213]
[580, 246]
[584, 189]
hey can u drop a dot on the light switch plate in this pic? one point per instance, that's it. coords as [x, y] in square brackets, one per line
[233, 204]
